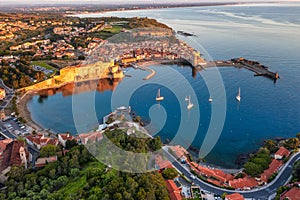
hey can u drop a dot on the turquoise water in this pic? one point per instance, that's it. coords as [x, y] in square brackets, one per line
[268, 34]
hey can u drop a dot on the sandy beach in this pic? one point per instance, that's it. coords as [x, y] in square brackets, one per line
[25, 113]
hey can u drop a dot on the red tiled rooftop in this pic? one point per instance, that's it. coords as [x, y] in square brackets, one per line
[174, 191]
[93, 137]
[3, 144]
[222, 176]
[292, 194]
[179, 151]
[234, 196]
[273, 167]
[162, 163]
[175, 195]
[202, 170]
[43, 161]
[41, 140]
[282, 152]
[34, 138]
[216, 173]
[171, 186]
[66, 136]
[245, 182]
[215, 182]
[11, 155]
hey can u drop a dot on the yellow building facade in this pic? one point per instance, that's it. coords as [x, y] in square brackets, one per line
[94, 71]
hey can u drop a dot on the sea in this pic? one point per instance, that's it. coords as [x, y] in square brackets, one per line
[223, 130]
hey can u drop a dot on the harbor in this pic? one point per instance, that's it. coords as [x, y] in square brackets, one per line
[256, 67]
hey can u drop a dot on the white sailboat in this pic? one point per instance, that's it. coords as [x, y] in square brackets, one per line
[238, 96]
[186, 98]
[210, 99]
[158, 97]
[190, 104]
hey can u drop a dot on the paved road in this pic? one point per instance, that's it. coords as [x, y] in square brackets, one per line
[9, 90]
[34, 152]
[9, 95]
[261, 193]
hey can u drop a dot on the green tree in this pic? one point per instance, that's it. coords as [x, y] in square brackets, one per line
[16, 173]
[48, 150]
[155, 144]
[271, 146]
[253, 169]
[261, 161]
[239, 175]
[170, 173]
[292, 143]
[141, 194]
[296, 171]
[74, 172]
[70, 144]
[224, 195]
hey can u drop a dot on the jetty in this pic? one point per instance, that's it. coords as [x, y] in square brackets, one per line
[144, 68]
[256, 67]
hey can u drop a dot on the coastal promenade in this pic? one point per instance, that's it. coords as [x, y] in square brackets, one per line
[264, 192]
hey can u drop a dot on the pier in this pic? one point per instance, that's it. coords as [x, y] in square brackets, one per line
[256, 67]
[144, 66]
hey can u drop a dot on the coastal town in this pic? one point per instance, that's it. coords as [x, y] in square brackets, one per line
[39, 55]
[29, 152]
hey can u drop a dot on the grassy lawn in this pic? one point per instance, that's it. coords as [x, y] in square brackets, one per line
[75, 184]
[113, 30]
[43, 64]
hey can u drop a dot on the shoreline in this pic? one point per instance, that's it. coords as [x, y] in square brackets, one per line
[191, 5]
[26, 114]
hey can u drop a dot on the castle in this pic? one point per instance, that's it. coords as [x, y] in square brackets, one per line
[67, 75]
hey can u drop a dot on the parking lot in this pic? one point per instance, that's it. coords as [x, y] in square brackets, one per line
[13, 128]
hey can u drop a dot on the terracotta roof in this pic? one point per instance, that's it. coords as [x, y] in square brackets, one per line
[43, 161]
[94, 136]
[179, 151]
[3, 144]
[202, 170]
[218, 183]
[174, 191]
[243, 183]
[216, 173]
[292, 194]
[66, 136]
[234, 196]
[162, 163]
[273, 167]
[219, 174]
[175, 195]
[42, 140]
[11, 155]
[282, 152]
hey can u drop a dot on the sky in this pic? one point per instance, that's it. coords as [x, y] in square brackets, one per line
[9, 2]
